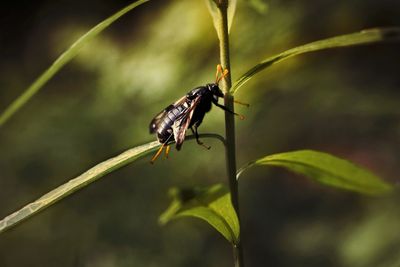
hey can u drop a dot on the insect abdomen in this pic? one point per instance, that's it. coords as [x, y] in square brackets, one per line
[165, 128]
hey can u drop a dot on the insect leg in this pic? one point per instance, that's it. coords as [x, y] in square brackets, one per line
[226, 109]
[194, 131]
[153, 159]
[241, 103]
[167, 149]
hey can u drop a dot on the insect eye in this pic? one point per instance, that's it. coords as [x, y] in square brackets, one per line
[214, 88]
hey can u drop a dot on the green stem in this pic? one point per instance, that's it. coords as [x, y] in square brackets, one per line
[230, 148]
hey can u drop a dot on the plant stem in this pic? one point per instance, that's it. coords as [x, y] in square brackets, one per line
[230, 148]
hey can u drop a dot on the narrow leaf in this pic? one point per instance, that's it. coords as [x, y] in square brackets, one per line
[364, 37]
[85, 179]
[67, 56]
[212, 205]
[326, 169]
[77, 183]
[231, 13]
[213, 9]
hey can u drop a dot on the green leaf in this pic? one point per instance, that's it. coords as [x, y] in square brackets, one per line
[212, 205]
[326, 169]
[85, 179]
[359, 38]
[77, 183]
[65, 57]
[213, 9]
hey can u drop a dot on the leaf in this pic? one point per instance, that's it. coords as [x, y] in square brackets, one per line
[326, 169]
[212, 204]
[77, 183]
[85, 179]
[359, 38]
[213, 9]
[65, 57]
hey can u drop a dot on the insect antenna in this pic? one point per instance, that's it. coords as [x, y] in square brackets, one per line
[223, 72]
[218, 78]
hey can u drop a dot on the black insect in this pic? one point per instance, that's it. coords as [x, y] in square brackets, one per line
[188, 112]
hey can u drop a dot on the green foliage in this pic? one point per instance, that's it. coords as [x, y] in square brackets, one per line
[213, 10]
[65, 57]
[212, 204]
[85, 179]
[326, 169]
[359, 38]
[77, 183]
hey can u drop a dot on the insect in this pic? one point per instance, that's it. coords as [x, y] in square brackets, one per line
[187, 112]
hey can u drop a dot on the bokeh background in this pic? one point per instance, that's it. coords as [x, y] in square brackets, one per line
[342, 101]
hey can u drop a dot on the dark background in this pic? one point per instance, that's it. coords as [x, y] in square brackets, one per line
[342, 101]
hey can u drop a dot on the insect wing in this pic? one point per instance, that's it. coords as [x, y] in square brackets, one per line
[180, 101]
[160, 116]
[180, 126]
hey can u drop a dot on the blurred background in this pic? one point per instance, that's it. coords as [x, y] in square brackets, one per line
[342, 101]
